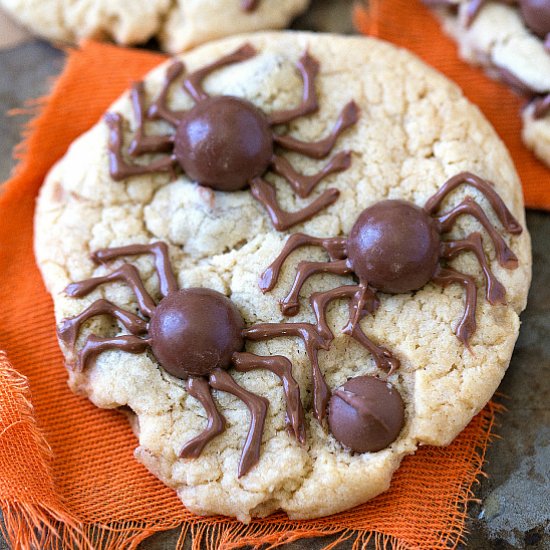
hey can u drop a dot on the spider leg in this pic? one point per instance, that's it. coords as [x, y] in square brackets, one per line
[472, 9]
[200, 390]
[95, 345]
[449, 249]
[265, 194]
[159, 108]
[313, 343]
[221, 380]
[335, 246]
[504, 215]
[167, 279]
[445, 276]
[506, 258]
[141, 143]
[290, 304]
[69, 328]
[303, 185]
[363, 301]
[127, 273]
[281, 367]
[542, 104]
[308, 67]
[193, 82]
[320, 149]
[383, 358]
[119, 169]
[249, 5]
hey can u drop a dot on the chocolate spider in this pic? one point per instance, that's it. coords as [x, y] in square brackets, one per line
[195, 334]
[396, 247]
[226, 143]
[536, 14]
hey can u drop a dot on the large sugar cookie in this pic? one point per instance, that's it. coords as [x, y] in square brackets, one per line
[511, 41]
[177, 25]
[413, 132]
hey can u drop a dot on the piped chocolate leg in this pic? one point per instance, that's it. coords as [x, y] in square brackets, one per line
[193, 82]
[249, 5]
[313, 343]
[542, 104]
[281, 367]
[446, 276]
[159, 107]
[290, 305]
[69, 328]
[383, 358]
[95, 345]
[506, 258]
[119, 169]
[200, 390]
[303, 185]
[282, 220]
[472, 9]
[141, 143]
[159, 250]
[335, 246]
[221, 380]
[320, 149]
[496, 293]
[363, 301]
[309, 68]
[127, 273]
[504, 215]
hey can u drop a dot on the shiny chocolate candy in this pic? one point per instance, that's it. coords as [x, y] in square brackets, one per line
[366, 414]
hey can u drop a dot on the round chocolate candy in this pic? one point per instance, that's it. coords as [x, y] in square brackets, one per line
[224, 142]
[194, 331]
[394, 246]
[536, 14]
[366, 414]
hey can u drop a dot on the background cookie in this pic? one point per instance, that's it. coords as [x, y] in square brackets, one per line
[415, 131]
[510, 43]
[177, 25]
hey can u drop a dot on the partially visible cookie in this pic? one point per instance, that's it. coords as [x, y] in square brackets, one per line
[417, 383]
[511, 41]
[178, 24]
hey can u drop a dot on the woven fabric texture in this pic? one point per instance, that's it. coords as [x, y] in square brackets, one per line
[411, 25]
[68, 478]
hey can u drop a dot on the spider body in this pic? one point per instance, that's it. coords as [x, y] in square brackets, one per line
[223, 143]
[227, 143]
[196, 335]
[185, 347]
[398, 230]
[395, 247]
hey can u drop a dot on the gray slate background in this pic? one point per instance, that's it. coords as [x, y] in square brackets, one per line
[515, 500]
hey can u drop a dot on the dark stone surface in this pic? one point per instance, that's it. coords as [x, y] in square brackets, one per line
[514, 512]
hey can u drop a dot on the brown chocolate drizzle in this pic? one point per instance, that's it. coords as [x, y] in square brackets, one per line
[396, 247]
[195, 334]
[249, 5]
[542, 107]
[215, 159]
[313, 343]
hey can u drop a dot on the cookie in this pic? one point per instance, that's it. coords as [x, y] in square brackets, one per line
[511, 41]
[414, 139]
[177, 25]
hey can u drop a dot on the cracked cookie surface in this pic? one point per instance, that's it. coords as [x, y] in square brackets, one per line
[415, 131]
[177, 24]
[499, 40]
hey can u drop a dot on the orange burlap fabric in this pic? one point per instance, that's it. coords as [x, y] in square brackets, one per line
[410, 24]
[67, 475]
